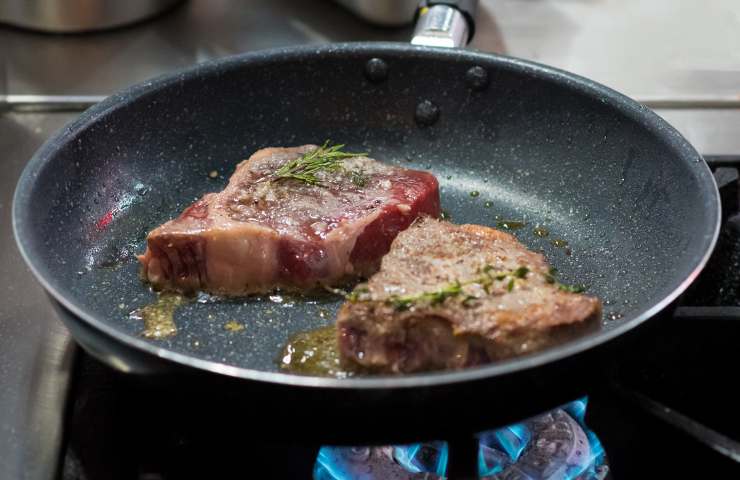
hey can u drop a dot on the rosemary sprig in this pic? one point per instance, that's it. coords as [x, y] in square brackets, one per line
[358, 178]
[304, 168]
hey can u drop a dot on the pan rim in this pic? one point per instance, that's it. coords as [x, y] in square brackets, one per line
[21, 209]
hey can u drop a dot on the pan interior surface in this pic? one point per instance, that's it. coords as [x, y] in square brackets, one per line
[529, 146]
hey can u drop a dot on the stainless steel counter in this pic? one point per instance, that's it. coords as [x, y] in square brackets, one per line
[675, 51]
[35, 349]
[679, 55]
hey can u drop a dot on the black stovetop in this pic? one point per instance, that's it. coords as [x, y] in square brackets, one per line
[669, 409]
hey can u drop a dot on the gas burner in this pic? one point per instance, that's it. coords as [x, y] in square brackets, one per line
[554, 445]
[366, 463]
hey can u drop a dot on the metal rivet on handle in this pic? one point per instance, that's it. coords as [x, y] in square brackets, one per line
[427, 113]
[376, 70]
[476, 78]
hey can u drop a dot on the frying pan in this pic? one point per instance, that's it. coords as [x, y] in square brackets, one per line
[635, 202]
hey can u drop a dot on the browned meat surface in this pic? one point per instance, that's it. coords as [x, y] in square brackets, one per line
[259, 233]
[449, 296]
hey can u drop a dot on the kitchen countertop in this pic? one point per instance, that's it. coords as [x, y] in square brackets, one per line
[676, 52]
[678, 56]
[35, 349]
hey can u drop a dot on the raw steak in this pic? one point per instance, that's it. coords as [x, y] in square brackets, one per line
[261, 233]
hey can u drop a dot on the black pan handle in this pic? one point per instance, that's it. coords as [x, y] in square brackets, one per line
[445, 23]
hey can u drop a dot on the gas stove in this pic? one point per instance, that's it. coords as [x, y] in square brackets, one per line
[664, 408]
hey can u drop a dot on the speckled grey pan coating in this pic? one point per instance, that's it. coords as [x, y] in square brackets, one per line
[636, 203]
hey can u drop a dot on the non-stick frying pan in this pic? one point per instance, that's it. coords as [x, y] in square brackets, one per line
[636, 204]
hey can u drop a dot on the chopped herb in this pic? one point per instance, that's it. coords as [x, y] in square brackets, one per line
[488, 204]
[304, 168]
[400, 304]
[233, 326]
[445, 215]
[359, 178]
[436, 297]
[468, 300]
[521, 272]
[559, 243]
[474, 193]
[357, 293]
[571, 288]
[488, 276]
[454, 289]
[541, 231]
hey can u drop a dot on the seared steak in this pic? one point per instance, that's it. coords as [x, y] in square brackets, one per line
[449, 296]
[263, 232]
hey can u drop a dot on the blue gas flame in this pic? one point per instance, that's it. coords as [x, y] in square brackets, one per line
[591, 467]
[499, 449]
[418, 458]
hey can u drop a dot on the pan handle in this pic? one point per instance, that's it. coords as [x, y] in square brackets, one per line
[441, 23]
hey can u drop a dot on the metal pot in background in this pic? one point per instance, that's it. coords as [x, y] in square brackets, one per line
[73, 16]
[385, 13]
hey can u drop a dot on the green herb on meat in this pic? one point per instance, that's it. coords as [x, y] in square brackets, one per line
[357, 294]
[304, 168]
[358, 177]
[488, 275]
[571, 288]
[437, 297]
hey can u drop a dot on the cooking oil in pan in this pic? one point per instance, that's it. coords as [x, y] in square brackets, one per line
[510, 224]
[159, 316]
[314, 352]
